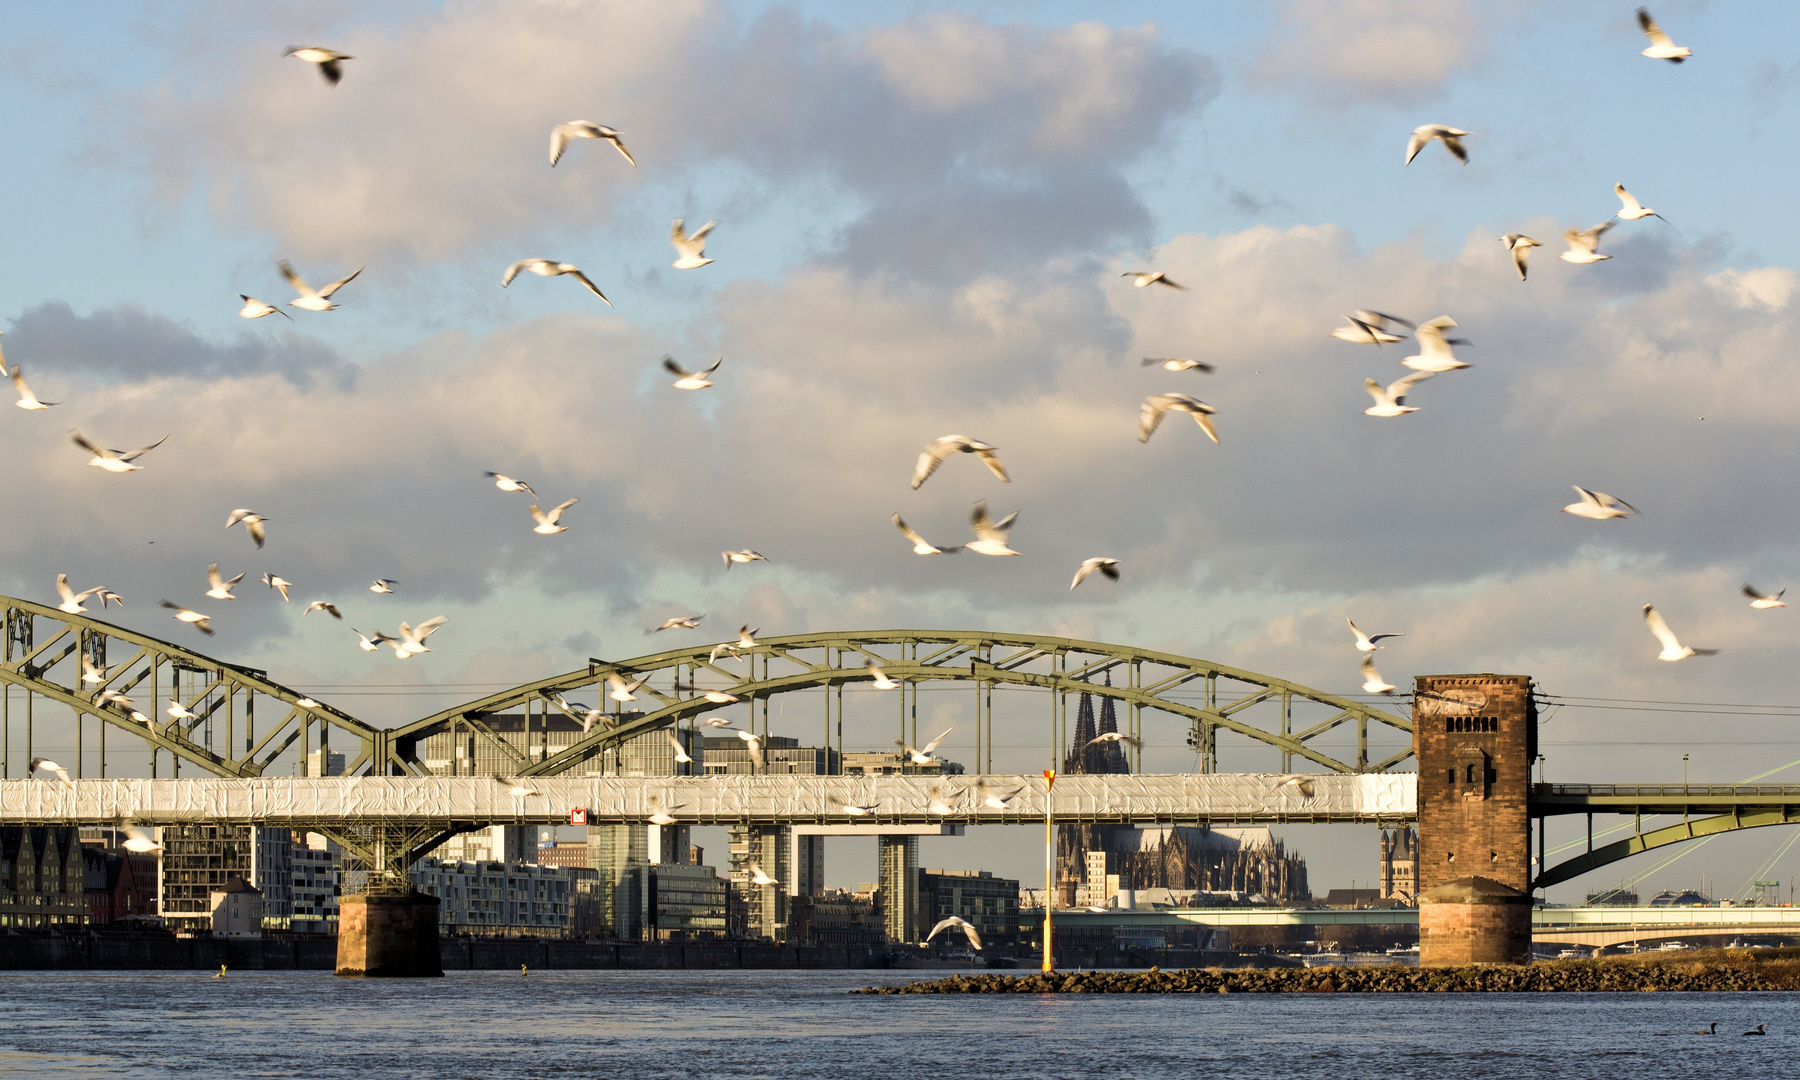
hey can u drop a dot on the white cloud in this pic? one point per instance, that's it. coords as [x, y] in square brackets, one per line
[1390, 51]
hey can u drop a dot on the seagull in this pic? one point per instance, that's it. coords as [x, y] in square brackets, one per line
[620, 690]
[882, 682]
[1177, 363]
[747, 637]
[1661, 47]
[1763, 601]
[1114, 737]
[306, 703]
[758, 877]
[1145, 278]
[1107, 567]
[125, 704]
[1598, 505]
[584, 129]
[717, 722]
[519, 789]
[138, 839]
[921, 546]
[717, 697]
[309, 298]
[1632, 209]
[923, 755]
[682, 757]
[107, 596]
[659, 814]
[1150, 414]
[1303, 784]
[383, 585]
[1366, 643]
[743, 556]
[993, 798]
[939, 449]
[1435, 354]
[117, 461]
[690, 246]
[990, 535]
[370, 644]
[754, 745]
[256, 309]
[1672, 650]
[1761, 1029]
[1392, 401]
[219, 588]
[202, 623]
[507, 483]
[679, 622]
[279, 583]
[71, 600]
[938, 802]
[178, 711]
[325, 58]
[27, 399]
[546, 523]
[1520, 245]
[582, 713]
[46, 765]
[551, 268]
[1371, 328]
[1452, 138]
[326, 606]
[1373, 683]
[689, 380]
[412, 642]
[1583, 242]
[857, 809]
[959, 923]
[723, 648]
[253, 523]
[93, 674]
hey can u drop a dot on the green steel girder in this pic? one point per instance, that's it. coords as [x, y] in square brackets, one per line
[160, 663]
[987, 658]
[1738, 818]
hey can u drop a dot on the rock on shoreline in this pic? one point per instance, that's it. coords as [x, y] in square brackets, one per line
[1706, 971]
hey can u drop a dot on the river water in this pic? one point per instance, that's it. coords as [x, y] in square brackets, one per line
[646, 1025]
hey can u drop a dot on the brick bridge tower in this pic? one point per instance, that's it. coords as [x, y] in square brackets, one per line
[1475, 737]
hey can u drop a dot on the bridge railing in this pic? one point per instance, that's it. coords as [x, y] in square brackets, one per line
[1711, 792]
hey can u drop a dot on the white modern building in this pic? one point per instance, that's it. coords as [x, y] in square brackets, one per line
[497, 898]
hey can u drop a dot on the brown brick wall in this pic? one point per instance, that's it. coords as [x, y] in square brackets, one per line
[1451, 934]
[1474, 739]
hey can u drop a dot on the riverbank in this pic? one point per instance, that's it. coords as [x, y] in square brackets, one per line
[1707, 970]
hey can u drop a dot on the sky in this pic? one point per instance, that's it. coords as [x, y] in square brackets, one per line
[924, 214]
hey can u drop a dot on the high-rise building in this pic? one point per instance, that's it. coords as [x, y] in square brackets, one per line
[898, 891]
[497, 898]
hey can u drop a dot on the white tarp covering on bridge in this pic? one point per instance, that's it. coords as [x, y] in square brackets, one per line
[1180, 798]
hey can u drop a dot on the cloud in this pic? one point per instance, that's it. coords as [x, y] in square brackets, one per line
[1388, 51]
[129, 343]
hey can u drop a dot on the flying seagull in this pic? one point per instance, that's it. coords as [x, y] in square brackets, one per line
[679, 622]
[1114, 737]
[1371, 328]
[383, 585]
[412, 642]
[178, 711]
[1392, 401]
[507, 483]
[1632, 210]
[1150, 414]
[202, 623]
[921, 546]
[587, 716]
[992, 797]
[27, 399]
[1303, 784]
[753, 744]
[279, 583]
[370, 644]
[690, 246]
[621, 691]
[1764, 601]
[744, 555]
[253, 524]
[938, 801]
[990, 536]
[858, 809]
[1520, 245]
[71, 600]
[1584, 244]
[518, 789]
[758, 877]
[551, 268]
[1177, 363]
[1145, 278]
[659, 813]
[329, 61]
[115, 461]
[682, 757]
[138, 839]
[256, 309]
[218, 588]
[882, 682]
[922, 755]
[1366, 643]
[309, 298]
[546, 523]
[1672, 649]
[1108, 568]
[938, 450]
[1661, 47]
[747, 637]
[38, 764]
[585, 129]
[1373, 683]
[956, 922]
[1598, 505]
[1452, 139]
[689, 380]
[326, 606]
[1435, 354]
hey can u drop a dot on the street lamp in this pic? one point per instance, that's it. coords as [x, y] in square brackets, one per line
[1049, 867]
[1684, 758]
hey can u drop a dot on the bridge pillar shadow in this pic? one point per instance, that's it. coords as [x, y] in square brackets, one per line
[1475, 737]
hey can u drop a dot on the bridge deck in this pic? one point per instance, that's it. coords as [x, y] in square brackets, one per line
[1552, 799]
[1145, 798]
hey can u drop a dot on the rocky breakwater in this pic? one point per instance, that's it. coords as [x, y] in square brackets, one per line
[1712, 970]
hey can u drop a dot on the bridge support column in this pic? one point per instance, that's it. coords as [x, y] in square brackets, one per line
[388, 936]
[1474, 737]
